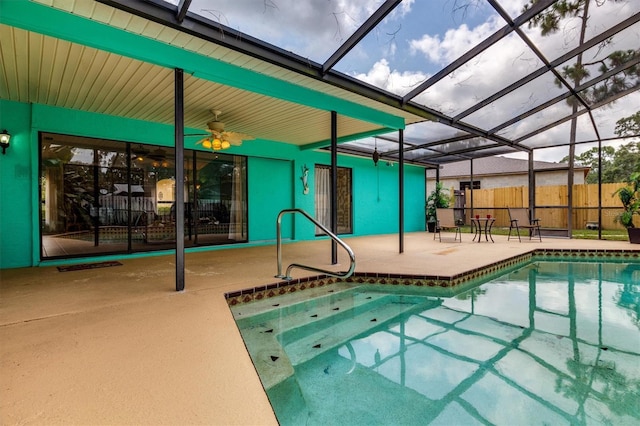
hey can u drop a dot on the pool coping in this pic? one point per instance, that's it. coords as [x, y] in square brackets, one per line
[443, 281]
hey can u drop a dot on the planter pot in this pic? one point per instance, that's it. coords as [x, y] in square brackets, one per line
[634, 235]
[431, 226]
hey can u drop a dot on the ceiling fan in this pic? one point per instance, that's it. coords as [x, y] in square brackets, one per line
[217, 138]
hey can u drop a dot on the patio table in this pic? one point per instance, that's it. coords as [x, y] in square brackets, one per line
[483, 225]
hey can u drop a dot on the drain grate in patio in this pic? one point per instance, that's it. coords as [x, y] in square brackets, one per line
[83, 266]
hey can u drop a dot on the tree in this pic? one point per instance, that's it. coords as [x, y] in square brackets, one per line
[617, 163]
[628, 126]
[549, 22]
[625, 162]
[605, 91]
[590, 158]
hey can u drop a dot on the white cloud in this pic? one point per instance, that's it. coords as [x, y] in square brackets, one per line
[381, 75]
[429, 46]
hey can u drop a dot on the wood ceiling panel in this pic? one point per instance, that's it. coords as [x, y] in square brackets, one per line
[124, 88]
[100, 12]
[160, 78]
[58, 69]
[18, 65]
[120, 19]
[49, 50]
[66, 5]
[85, 8]
[93, 64]
[74, 66]
[78, 77]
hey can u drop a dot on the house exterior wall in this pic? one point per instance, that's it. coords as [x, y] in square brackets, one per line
[274, 171]
[501, 181]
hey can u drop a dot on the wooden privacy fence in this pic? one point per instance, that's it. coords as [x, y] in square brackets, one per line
[551, 204]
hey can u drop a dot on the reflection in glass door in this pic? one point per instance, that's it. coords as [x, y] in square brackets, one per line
[99, 196]
[323, 199]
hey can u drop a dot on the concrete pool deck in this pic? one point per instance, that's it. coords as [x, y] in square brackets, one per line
[118, 345]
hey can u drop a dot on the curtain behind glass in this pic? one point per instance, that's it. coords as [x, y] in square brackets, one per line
[323, 197]
[237, 225]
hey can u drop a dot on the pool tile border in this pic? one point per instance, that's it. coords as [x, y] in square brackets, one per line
[300, 284]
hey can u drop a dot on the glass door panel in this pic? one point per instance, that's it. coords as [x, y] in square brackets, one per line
[100, 196]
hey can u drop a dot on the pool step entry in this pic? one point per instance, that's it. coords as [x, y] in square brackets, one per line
[286, 335]
[264, 325]
[339, 326]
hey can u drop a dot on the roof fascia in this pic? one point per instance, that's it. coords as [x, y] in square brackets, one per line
[56, 23]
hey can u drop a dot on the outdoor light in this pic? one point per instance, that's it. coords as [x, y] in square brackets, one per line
[5, 137]
[376, 155]
[217, 144]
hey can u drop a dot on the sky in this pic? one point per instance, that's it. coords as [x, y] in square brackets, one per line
[420, 37]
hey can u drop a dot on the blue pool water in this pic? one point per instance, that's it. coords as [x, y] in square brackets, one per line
[549, 343]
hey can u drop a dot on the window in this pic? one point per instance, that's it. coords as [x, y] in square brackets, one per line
[323, 199]
[467, 185]
[99, 196]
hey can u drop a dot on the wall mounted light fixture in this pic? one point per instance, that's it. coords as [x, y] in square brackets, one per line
[5, 137]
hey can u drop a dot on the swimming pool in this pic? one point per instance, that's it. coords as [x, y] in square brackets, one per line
[549, 342]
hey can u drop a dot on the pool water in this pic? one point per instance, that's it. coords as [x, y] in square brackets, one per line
[549, 343]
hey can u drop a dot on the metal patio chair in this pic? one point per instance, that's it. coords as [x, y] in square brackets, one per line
[520, 219]
[445, 220]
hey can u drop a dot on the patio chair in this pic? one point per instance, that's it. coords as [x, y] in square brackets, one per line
[520, 220]
[446, 220]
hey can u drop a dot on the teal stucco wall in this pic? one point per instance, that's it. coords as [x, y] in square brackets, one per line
[274, 180]
[16, 187]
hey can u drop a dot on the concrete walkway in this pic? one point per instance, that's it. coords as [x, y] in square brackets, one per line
[118, 345]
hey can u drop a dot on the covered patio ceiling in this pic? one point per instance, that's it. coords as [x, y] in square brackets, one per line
[479, 79]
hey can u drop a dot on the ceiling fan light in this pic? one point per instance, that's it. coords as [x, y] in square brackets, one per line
[207, 144]
[217, 144]
[225, 144]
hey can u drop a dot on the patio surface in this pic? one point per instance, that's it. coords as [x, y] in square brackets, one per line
[119, 345]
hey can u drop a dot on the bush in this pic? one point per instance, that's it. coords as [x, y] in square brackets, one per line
[438, 199]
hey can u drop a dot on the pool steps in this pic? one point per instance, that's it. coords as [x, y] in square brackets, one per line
[320, 326]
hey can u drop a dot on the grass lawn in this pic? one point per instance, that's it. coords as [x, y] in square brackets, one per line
[587, 234]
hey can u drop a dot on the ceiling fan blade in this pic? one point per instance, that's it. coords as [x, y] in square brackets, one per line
[237, 137]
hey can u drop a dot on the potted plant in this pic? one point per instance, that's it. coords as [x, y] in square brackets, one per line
[630, 197]
[438, 199]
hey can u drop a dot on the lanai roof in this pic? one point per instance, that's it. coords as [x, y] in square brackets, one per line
[473, 79]
[499, 166]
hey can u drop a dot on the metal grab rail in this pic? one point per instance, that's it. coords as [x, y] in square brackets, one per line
[310, 268]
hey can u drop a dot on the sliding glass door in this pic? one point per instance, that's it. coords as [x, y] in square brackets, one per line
[100, 196]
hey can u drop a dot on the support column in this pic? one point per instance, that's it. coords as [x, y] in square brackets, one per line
[179, 155]
[471, 186]
[599, 189]
[532, 188]
[401, 191]
[334, 185]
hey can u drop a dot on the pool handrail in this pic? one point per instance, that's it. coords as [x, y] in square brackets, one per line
[333, 236]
